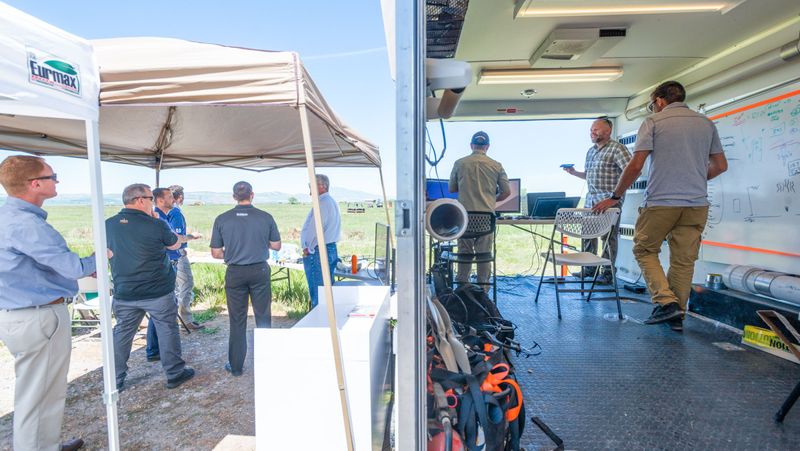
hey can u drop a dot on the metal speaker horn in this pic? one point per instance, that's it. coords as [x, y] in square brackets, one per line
[445, 219]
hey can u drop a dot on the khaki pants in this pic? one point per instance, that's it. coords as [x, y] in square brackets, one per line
[39, 339]
[475, 246]
[681, 227]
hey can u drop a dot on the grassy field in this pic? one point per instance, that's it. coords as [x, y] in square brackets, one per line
[517, 250]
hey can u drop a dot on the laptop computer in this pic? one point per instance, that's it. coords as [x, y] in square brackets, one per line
[546, 207]
[533, 197]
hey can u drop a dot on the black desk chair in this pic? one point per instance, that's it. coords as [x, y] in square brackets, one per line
[479, 224]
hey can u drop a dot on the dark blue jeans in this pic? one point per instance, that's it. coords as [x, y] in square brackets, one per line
[313, 269]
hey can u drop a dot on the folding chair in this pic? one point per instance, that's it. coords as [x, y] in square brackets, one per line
[581, 223]
[86, 303]
[479, 224]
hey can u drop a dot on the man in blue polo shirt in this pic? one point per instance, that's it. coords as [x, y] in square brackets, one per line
[144, 282]
[184, 281]
[163, 200]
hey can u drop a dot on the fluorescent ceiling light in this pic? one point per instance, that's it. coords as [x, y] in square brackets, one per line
[521, 76]
[562, 8]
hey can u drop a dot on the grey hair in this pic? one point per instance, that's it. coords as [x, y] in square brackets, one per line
[132, 192]
[323, 180]
[177, 191]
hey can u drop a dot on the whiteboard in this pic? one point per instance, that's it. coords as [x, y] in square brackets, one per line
[754, 214]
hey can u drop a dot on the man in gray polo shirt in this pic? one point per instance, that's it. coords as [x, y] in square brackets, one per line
[479, 181]
[685, 152]
[243, 237]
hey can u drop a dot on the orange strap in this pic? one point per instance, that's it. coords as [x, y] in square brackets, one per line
[495, 376]
[513, 413]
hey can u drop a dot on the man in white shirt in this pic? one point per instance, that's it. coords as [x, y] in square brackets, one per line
[331, 226]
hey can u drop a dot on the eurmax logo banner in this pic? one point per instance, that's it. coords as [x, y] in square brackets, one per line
[53, 72]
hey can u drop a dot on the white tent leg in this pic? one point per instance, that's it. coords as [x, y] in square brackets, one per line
[326, 278]
[386, 208]
[110, 394]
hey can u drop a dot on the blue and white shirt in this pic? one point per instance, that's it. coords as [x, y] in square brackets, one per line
[331, 224]
[36, 266]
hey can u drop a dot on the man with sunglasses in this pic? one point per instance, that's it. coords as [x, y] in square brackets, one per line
[144, 282]
[37, 271]
[685, 152]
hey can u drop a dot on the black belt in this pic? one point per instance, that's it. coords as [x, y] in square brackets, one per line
[231, 265]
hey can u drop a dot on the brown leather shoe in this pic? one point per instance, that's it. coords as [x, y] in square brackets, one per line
[72, 445]
[194, 325]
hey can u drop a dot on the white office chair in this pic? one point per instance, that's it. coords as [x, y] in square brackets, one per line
[584, 224]
[86, 303]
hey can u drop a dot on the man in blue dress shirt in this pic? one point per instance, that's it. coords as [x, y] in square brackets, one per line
[331, 228]
[37, 271]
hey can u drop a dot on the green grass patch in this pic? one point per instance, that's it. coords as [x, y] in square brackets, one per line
[209, 330]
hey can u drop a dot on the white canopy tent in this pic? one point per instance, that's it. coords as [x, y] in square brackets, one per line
[46, 76]
[167, 103]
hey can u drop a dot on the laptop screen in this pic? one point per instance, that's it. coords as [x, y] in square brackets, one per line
[437, 189]
[546, 207]
[533, 197]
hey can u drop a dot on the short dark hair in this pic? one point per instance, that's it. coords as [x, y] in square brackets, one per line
[671, 91]
[242, 191]
[606, 120]
[159, 193]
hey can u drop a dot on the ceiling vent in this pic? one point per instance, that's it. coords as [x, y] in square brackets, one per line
[566, 47]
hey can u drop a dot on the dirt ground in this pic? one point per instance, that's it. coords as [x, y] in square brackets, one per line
[196, 415]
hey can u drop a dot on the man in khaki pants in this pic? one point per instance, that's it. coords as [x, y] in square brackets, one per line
[479, 181]
[37, 271]
[685, 152]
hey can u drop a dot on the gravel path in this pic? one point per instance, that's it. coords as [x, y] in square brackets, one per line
[197, 415]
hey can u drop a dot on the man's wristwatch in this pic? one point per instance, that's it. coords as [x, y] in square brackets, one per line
[615, 197]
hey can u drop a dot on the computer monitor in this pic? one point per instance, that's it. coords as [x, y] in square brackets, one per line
[510, 204]
[383, 253]
[533, 197]
[438, 189]
[546, 207]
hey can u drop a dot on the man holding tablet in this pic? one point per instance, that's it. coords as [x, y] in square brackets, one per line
[605, 161]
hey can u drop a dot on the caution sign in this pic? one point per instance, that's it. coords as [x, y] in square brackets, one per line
[766, 340]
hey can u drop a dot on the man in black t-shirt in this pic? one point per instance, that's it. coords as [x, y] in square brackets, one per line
[144, 282]
[243, 237]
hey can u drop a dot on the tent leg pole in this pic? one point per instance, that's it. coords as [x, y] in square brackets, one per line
[110, 394]
[386, 206]
[326, 278]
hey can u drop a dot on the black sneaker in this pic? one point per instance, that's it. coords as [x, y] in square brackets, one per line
[187, 374]
[676, 324]
[664, 313]
[153, 358]
[230, 370]
[121, 383]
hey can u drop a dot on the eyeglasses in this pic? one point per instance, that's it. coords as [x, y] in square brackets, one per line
[651, 107]
[150, 198]
[53, 177]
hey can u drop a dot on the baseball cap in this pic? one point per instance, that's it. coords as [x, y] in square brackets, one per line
[480, 139]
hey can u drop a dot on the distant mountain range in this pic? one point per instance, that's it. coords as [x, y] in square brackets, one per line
[213, 198]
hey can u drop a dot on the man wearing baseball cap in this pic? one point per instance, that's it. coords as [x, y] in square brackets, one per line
[479, 181]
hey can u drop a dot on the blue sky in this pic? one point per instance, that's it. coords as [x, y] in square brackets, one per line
[343, 47]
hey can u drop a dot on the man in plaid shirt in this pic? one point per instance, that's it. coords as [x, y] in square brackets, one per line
[605, 161]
